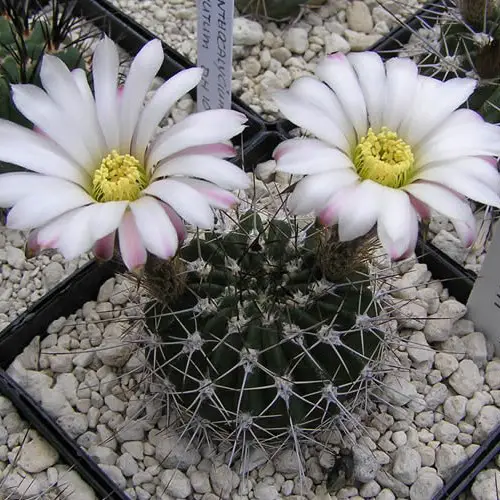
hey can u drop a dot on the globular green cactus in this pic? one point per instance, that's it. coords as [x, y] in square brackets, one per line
[265, 330]
[277, 10]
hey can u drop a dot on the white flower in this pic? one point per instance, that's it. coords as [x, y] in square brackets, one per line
[391, 144]
[98, 169]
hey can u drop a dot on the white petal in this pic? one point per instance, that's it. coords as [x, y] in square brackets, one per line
[394, 225]
[311, 118]
[157, 231]
[209, 168]
[206, 127]
[479, 168]
[340, 76]
[370, 70]
[23, 147]
[312, 192]
[48, 235]
[298, 144]
[185, 200]
[60, 85]
[140, 77]
[76, 239]
[461, 183]
[463, 133]
[40, 109]
[80, 78]
[314, 160]
[17, 185]
[400, 88]
[105, 73]
[215, 196]
[132, 249]
[466, 229]
[38, 209]
[359, 211]
[106, 217]
[320, 95]
[434, 102]
[440, 199]
[159, 106]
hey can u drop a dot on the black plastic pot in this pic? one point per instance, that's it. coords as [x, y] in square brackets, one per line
[259, 141]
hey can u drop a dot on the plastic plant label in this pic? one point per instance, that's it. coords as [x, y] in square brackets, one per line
[215, 53]
[483, 306]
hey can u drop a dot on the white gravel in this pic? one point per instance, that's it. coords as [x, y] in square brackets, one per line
[268, 55]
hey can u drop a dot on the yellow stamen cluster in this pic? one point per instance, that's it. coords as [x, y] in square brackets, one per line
[384, 158]
[118, 178]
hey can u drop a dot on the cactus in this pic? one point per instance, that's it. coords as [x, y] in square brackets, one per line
[277, 10]
[266, 329]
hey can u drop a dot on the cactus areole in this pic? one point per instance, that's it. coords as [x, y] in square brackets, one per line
[254, 337]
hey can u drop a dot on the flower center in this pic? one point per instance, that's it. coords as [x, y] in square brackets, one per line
[384, 158]
[118, 178]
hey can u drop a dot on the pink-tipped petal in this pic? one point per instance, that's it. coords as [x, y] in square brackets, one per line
[155, 227]
[177, 222]
[132, 249]
[218, 149]
[104, 248]
[32, 247]
[216, 196]
[466, 230]
[422, 209]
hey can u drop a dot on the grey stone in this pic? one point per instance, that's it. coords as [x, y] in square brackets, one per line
[336, 43]
[247, 32]
[296, 40]
[74, 424]
[365, 464]
[176, 483]
[448, 458]
[37, 456]
[67, 384]
[221, 478]
[407, 463]
[287, 462]
[486, 422]
[115, 474]
[476, 349]
[175, 452]
[52, 274]
[438, 326]
[466, 379]
[73, 486]
[445, 363]
[359, 17]
[397, 390]
[492, 376]
[418, 348]
[200, 481]
[486, 485]
[127, 464]
[454, 408]
[426, 486]
[121, 293]
[445, 432]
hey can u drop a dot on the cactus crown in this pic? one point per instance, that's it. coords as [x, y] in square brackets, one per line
[265, 328]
